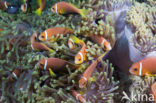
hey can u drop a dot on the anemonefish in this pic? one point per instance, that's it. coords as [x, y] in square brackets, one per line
[37, 46]
[78, 96]
[144, 67]
[72, 40]
[81, 55]
[153, 89]
[24, 7]
[42, 4]
[4, 5]
[66, 8]
[15, 74]
[88, 72]
[101, 41]
[56, 64]
[47, 34]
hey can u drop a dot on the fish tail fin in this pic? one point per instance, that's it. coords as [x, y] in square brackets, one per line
[83, 13]
[76, 40]
[51, 50]
[38, 11]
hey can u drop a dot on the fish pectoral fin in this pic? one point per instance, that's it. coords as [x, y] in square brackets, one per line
[51, 72]
[62, 11]
[150, 75]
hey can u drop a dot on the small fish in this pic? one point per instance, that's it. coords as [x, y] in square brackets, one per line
[88, 72]
[37, 46]
[47, 34]
[71, 44]
[24, 7]
[101, 41]
[15, 74]
[66, 8]
[4, 5]
[1, 30]
[72, 40]
[42, 4]
[78, 96]
[153, 89]
[81, 56]
[56, 64]
[144, 67]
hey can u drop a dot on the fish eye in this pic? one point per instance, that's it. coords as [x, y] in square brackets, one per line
[41, 64]
[42, 36]
[135, 69]
[79, 59]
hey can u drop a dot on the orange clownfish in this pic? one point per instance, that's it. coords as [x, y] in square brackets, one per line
[42, 4]
[4, 5]
[66, 8]
[101, 41]
[1, 30]
[24, 7]
[47, 34]
[78, 96]
[88, 72]
[72, 40]
[144, 67]
[81, 56]
[153, 89]
[37, 46]
[54, 63]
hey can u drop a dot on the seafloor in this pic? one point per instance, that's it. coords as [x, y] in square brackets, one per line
[129, 26]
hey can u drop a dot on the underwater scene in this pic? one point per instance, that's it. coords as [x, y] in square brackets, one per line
[77, 51]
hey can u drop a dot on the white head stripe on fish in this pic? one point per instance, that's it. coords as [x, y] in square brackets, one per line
[45, 65]
[52, 9]
[32, 47]
[140, 69]
[103, 41]
[77, 96]
[46, 35]
[71, 40]
[56, 8]
[70, 44]
[25, 6]
[81, 56]
[14, 75]
[5, 3]
[84, 78]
